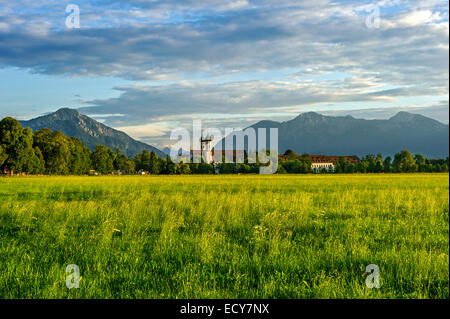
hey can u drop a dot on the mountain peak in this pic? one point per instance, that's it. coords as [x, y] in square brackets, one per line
[415, 119]
[403, 116]
[315, 133]
[67, 111]
[72, 123]
[309, 116]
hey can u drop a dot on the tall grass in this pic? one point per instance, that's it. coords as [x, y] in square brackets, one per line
[280, 236]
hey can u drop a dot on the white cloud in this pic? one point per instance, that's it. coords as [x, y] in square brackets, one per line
[301, 52]
[419, 17]
[147, 130]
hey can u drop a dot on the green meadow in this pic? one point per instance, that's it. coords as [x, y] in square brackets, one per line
[225, 236]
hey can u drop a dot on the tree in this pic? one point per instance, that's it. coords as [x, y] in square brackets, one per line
[142, 160]
[123, 164]
[80, 160]
[404, 163]
[438, 165]
[224, 168]
[183, 169]
[293, 167]
[362, 166]
[387, 165]
[281, 169]
[371, 163]
[36, 162]
[150, 162]
[17, 147]
[59, 161]
[40, 168]
[378, 164]
[421, 162]
[103, 159]
[154, 164]
[408, 163]
[55, 148]
[3, 155]
[120, 161]
[291, 155]
[306, 163]
[131, 166]
[299, 163]
[244, 168]
[170, 167]
[10, 135]
[206, 168]
[341, 165]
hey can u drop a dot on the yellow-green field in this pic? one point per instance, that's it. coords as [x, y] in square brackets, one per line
[280, 236]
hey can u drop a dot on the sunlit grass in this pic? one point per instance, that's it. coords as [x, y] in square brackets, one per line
[280, 236]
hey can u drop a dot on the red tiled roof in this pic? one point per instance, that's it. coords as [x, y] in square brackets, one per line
[329, 159]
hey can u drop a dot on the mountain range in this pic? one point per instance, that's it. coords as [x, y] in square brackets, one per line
[314, 133]
[310, 133]
[89, 131]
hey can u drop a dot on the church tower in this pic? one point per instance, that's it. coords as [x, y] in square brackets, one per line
[206, 149]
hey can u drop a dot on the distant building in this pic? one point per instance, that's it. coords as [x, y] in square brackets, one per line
[333, 159]
[204, 153]
[319, 162]
[316, 167]
[212, 156]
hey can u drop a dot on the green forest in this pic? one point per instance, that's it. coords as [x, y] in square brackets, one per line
[52, 153]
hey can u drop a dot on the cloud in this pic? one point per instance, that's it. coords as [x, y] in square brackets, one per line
[146, 130]
[143, 104]
[264, 38]
[418, 18]
[197, 57]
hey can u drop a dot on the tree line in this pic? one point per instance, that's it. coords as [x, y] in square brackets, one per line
[403, 162]
[53, 153]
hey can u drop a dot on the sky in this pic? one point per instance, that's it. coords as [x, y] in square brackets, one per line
[147, 67]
